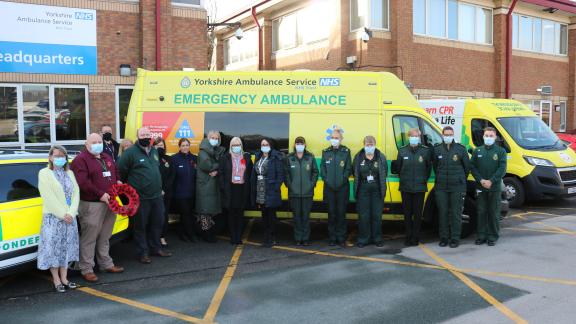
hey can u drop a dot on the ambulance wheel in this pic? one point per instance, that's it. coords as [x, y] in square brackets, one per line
[469, 217]
[514, 192]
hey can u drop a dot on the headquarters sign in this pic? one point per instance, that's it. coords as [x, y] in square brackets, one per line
[46, 39]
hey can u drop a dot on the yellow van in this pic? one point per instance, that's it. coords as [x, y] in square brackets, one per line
[21, 211]
[283, 105]
[539, 164]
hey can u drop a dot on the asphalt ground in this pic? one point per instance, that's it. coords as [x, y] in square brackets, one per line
[527, 277]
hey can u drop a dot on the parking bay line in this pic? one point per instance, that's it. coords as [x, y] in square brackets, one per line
[228, 275]
[423, 265]
[558, 229]
[472, 285]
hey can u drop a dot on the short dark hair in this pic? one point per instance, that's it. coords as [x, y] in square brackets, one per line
[300, 140]
[490, 129]
[159, 140]
[447, 128]
[182, 140]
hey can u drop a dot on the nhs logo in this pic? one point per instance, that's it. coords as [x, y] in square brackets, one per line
[329, 82]
[83, 15]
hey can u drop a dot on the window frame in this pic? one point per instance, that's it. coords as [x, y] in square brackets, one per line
[394, 127]
[557, 34]
[188, 5]
[447, 29]
[53, 138]
[563, 106]
[369, 18]
[117, 107]
[19, 114]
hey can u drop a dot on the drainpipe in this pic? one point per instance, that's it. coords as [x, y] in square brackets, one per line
[509, 46]
[158, 37]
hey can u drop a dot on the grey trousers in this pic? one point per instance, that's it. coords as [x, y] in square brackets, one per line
[96, 225]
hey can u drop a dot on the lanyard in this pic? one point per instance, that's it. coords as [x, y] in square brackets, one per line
[261, 163]
[237, 160]
[103, 165]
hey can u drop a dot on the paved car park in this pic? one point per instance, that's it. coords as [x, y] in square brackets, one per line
[528, 277]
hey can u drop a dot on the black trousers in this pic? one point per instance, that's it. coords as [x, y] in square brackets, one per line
[412, 204]
[167, 204]
[148, 224]
[269, 219]
[187, 219]
[235, 220]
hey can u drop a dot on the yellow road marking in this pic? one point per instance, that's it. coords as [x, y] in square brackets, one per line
[225, 282]
[146, 307]
[518, 276]
[468, 282]
[558, 229]
[353, 257]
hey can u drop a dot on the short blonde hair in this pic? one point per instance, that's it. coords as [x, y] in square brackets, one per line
[214, 132]
[338, 131]
[51, 152]
[370, 139]
[236, 141]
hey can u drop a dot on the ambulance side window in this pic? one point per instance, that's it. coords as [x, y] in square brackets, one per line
[402, 124]
[19, 181]
[478, 126]
[431, 136]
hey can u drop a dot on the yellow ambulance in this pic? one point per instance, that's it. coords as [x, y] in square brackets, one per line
[283, 105]
[540, 165]
[21, 210]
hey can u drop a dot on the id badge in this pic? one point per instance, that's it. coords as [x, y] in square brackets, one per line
[260, 177]
[106, 174]
[370, 178]
[237, 178]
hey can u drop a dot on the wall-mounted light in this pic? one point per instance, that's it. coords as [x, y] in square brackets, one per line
[366, 35]
[125, 70]
[239, 33]
[550, 10]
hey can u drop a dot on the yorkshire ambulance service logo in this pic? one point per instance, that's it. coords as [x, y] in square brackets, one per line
[185, 83]
[455, 158]
[420, 159]
[495, 157]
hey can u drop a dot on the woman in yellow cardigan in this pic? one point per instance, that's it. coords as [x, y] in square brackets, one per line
[59, 233]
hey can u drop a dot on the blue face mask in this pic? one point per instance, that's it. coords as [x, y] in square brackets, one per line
[414, 140]
[97, 148]
[448, 139]
[265, 149]
[236, 149]
[335, 142]
[300, 148]
[369, 149]
[213, 142]
[59, 161]
[489, 140]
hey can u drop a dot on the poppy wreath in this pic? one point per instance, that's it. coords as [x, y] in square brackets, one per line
[118, 191]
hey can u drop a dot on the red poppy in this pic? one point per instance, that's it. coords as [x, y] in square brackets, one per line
[243, 162]
[127, 191]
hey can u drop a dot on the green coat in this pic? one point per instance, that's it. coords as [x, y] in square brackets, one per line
[382, 171]
[451, 166]
[413, 166]
[336, 167]
[489, 163]
[141, 171]
[207, 187]
[301, 175]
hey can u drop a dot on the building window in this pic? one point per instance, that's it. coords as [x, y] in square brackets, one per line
[240, 50]
[188, 2]
[302, 27]
[37, 114]
[19, 181]
[372, 14]
[8, 114]
[539, 35]
[562, 116]
[453, 20]
[123, 95]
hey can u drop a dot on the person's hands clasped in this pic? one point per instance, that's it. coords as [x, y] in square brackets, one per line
[68, 218]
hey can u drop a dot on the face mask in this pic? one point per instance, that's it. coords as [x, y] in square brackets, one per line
[300, 148]
[213, 142]
[369, 149]
[236, 149]
[59, 161]
[97, 148]
[334, 142]
[489, 140]
[448, 139]
[414, 140]
[107, 136]
[161, 151]
[144, 142]
[265, 149]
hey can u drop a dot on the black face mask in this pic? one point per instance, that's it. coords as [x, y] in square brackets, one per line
[144, 142]
[161, 151]
[107, 136]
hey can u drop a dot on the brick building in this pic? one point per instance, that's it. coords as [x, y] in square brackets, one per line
[45, 99]
[440, 48]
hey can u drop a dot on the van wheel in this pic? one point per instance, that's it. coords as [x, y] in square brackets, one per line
[514, 192]
[469, 217]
